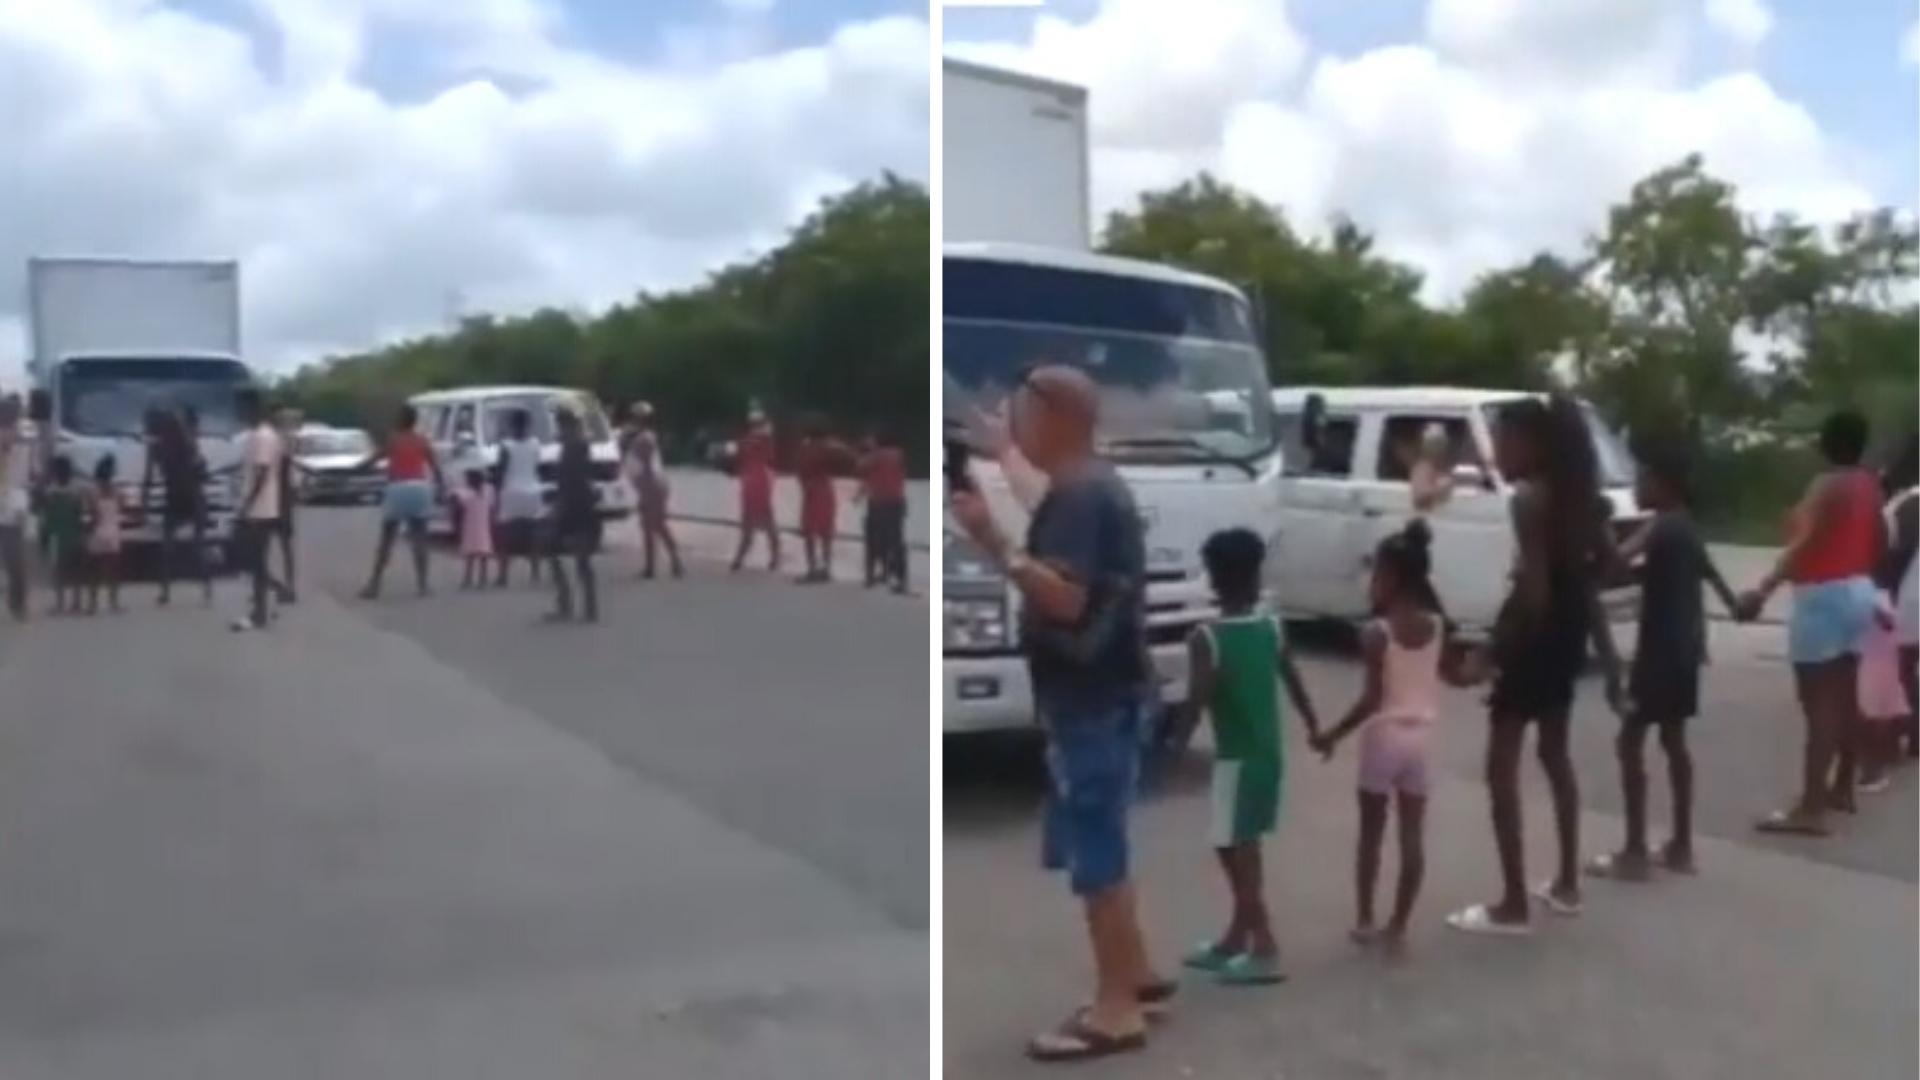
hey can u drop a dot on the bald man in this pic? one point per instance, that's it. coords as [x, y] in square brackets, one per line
[1082, 576]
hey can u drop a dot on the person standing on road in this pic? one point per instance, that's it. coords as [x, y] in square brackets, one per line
[63, 529]
[522, 503]
[16, 504]
[753, 465]
[884, 486]
[413, 487]
[576, 522]
[1834, 547]
[1083, 581]
[1665, 681]
[287, 424]
[259, 513]
[173, 456]
[1232, 660]
[814, 465]
[1408, 655]
[104, 512]
[1540, 645]
[1900, 576]
[648, 475]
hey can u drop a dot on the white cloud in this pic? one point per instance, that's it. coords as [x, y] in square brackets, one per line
[1910, 45]
[1746, 22]
[132, 128]
[1512, 127]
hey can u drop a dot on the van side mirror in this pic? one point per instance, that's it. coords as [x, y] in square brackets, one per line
[1313, 415]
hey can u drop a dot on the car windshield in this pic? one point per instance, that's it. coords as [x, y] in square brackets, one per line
[1181, 378]
[544, 410]
[1610, 453]
[114, 397]
[333, 444]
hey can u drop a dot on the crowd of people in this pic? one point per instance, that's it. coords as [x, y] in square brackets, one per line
[517, 509]
[1850, 552]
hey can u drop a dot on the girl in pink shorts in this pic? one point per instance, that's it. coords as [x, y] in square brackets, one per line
[1408, 654]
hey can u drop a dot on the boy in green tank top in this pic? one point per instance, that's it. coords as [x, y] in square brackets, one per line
[1231, 664]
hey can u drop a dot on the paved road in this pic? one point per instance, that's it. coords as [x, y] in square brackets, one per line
[1782, 960]
[435, 839]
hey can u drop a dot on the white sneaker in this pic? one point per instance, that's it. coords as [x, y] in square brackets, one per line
[245, 624]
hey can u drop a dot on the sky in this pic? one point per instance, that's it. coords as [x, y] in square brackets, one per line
[1469, 134]
[379, 167]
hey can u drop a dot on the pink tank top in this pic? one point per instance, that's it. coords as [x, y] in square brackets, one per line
[1410, 694]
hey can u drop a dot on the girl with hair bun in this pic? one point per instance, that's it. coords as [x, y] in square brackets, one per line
[1408, 654]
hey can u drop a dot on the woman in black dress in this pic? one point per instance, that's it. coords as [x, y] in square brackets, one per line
[576, 522]
[1540, 643]
[173, 455]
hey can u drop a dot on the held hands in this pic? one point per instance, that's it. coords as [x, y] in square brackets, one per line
[1752, 603]
[1324, 744]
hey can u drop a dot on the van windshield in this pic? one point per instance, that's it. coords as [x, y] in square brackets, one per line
[544, 410]
[1615, 462]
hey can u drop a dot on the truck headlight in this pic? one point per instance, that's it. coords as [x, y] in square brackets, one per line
[976, 623]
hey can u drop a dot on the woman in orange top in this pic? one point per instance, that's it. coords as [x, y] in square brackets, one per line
[814, 465]
[413, 487]
[753, 465]
[1836, 537]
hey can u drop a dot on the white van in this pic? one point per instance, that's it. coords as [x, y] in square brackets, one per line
[467, 426]
[1338, 500]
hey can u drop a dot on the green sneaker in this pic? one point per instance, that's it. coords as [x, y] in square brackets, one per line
[1206, 957]
[1248, 969]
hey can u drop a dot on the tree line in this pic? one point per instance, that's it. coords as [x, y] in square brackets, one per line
[1683, 317]
[831, 326]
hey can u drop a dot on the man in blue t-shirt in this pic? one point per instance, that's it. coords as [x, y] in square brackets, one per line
[1082, 583]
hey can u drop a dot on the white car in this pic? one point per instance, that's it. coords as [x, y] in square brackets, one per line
[331, 465]
[467, 426]
[1338, 500]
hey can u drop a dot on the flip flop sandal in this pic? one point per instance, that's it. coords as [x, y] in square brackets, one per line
[1156, 999]
[1617, 867]
[1247, 969]
[1479, 919]
[1875, 786]
[1783, 822]
[1665, 861]
[1564, 908]
[1075, 1040]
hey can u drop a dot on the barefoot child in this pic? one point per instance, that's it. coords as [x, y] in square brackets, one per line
[476, 529]
[1232, 664]
[1407, 655]
[63, 531]
[1664, 683]
[103, 537]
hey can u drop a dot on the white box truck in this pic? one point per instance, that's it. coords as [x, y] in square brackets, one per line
[1187, 412]
[112, 339]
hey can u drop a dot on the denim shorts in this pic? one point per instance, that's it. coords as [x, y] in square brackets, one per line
[1829, 619]
[408, 501]
[1093, 770]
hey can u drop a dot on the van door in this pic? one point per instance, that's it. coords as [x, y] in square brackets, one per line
[1313, 572]
[1472, 538]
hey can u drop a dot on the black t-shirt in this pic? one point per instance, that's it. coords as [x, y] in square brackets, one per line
[1088, 527]
[573, 494]
[1673, 626]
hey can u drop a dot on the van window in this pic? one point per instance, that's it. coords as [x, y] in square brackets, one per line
[1400, 445]
[1333, 457]
[463, 424]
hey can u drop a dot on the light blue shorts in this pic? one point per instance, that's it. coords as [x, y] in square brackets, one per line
[1829, 619]
[408, 501]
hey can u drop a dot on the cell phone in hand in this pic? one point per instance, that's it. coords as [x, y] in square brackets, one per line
[955, 466]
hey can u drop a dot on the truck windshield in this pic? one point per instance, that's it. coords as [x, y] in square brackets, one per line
[113, 397]
[1181, 376]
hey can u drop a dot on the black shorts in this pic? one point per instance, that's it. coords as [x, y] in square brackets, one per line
[283, 525]
[1664, 692]
[579, 535]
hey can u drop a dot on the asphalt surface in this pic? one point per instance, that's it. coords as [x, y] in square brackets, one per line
[1784, 958]
[435, 838]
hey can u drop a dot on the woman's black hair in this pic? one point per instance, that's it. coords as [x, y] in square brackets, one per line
[1843, 438]
[1666, 459]
[408, 418]
[519, 423]
[1233, 558]
[1567, 464]
[1408, 556]
[103, 469]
